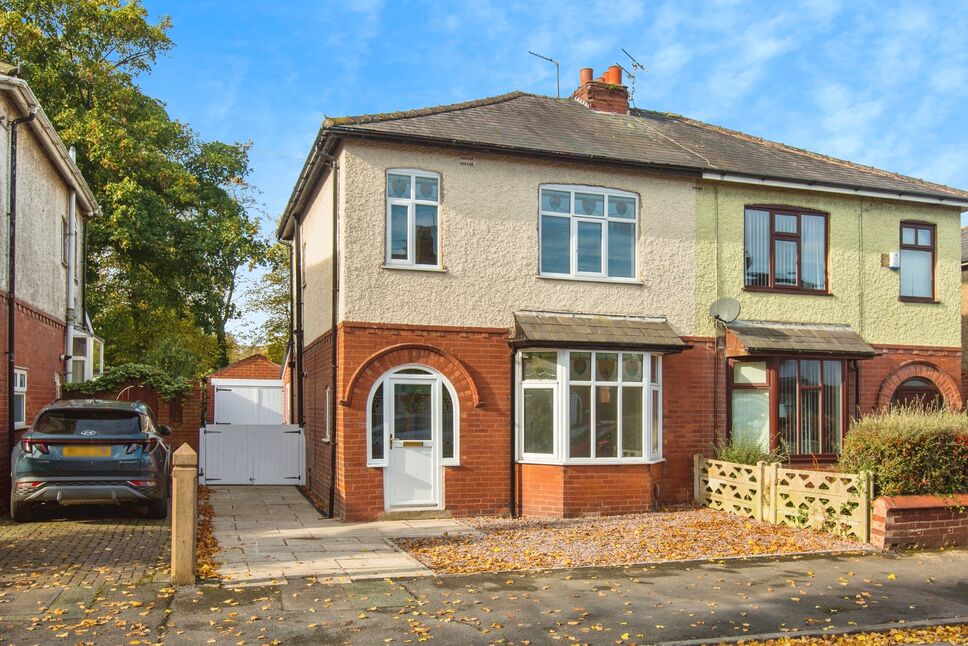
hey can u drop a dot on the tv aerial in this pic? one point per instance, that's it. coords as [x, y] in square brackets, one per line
[557, 71]
[636, 65]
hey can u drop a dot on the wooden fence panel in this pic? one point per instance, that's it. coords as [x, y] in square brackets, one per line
[825, 500]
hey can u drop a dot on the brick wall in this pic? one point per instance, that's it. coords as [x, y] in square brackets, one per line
[691, 379]
[39, 344]
[582, 490]
[318, 366]
[880, 375]
[477, 363]
[256, 366]
[920, 521]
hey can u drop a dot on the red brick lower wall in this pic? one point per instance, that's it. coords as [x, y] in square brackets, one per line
[880, 375]
[318, 366]
[477, 362]
[583, 490]
[39, 345]
[920, 521]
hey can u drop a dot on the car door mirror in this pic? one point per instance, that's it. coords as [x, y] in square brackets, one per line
[164, 431]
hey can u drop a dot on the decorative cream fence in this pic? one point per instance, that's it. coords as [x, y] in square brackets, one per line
[826, 500]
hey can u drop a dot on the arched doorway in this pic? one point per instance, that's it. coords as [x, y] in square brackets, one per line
[917, 391]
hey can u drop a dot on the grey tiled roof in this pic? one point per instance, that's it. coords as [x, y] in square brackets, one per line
[594, 330]
[563, 127]
[767, 337]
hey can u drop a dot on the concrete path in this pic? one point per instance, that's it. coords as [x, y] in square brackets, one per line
[272, 534]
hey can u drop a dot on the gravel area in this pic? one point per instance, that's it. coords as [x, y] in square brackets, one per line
[675, 535]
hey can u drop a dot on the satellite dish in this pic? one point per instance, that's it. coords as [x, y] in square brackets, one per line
[725, 310]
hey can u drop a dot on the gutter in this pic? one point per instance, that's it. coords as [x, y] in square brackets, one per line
[334, 169]
[857, 191]
[12, 275]
[25, 99]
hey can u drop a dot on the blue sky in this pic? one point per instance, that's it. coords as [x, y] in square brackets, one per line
[880, 83]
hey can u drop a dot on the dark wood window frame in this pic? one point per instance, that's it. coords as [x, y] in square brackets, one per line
[797, 237]
[914, 224]
[772, 384]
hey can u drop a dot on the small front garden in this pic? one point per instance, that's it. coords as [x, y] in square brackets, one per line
[672, 535]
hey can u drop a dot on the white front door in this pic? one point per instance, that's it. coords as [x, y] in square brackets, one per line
[413, 474]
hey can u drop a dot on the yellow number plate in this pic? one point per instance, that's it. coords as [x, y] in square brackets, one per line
[87, 451]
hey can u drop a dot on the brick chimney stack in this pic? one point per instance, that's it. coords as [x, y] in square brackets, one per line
[604, 94]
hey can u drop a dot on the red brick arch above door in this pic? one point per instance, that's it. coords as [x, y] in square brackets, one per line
[382, 361]
[924, 370]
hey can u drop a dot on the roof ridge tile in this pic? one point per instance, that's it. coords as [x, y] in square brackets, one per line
[420, 112]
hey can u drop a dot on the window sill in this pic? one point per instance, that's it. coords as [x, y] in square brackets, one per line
[915, 299]
[592, 279]
[588, 462]
[790, 292]
[438, 270]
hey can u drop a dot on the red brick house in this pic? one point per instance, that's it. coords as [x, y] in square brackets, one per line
[503, 306]
[46, 204]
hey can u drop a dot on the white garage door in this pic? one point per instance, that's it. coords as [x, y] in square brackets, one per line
[248, 401]
[248, 442]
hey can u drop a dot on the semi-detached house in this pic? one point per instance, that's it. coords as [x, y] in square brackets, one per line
[503, 306]
[45, 203]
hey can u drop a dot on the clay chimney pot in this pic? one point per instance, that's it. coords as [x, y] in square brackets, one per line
[586, 74]
[614, 75]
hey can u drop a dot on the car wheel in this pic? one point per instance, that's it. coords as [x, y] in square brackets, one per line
[158, 509]
[21, 512]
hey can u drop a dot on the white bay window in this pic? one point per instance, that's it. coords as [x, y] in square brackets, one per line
[584, 406]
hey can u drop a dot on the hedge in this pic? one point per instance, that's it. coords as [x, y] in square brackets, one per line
[911, 451]
[166, 385]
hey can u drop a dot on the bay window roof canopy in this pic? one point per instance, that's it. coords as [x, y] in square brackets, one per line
[745, 338]
[557, 329]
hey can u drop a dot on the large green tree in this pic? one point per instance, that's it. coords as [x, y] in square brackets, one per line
[176, 227]
[270, 296]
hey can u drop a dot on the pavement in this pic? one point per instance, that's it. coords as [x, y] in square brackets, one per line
[273, 534]
[676, 602]
[83, 546]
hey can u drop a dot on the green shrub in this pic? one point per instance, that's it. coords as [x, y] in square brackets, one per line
[910, 450]
[166, 385]
[748, 451]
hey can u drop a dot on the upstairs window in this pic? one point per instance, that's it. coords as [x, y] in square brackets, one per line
[917, 261]
[588, 232]
[413, 199]
[785, 249]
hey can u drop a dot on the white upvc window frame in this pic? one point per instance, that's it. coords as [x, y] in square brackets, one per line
[410, 262]
[439, 383]
[20, 390]
[574, 219]
[561, 387]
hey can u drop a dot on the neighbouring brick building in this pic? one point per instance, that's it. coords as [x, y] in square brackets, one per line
[546, 306]
[52, 339]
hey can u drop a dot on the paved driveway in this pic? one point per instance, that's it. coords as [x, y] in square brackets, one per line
[272, 534]
[83, 546]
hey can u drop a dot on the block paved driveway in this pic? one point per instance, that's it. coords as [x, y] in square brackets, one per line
[270, 534]
[82, 546]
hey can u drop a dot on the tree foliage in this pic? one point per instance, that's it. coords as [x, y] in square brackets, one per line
[175, 227]
[270, 295]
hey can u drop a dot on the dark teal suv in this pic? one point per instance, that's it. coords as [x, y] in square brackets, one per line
[91, 452]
